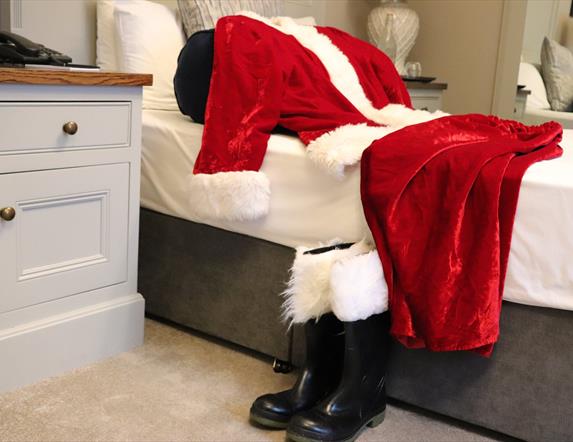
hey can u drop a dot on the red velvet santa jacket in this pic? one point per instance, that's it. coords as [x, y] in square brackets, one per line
[333, 90]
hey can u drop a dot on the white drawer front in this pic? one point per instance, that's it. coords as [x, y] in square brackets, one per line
[38, 126]
[427, 103]
[69, 234]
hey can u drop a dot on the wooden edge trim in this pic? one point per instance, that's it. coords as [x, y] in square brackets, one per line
[98, 78]
[420, 85]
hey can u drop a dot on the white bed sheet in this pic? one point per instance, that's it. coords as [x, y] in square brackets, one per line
[308, 206]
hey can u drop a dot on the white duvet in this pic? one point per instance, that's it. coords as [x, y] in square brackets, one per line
[309, 206]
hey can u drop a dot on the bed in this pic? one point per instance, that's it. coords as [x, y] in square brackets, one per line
[308, 206]
[224, 278]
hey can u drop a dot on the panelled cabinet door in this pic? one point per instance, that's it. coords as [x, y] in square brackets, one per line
[430, 104]
[69, 233]
[426, 99]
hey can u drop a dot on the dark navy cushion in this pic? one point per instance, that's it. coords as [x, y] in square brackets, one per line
[193, 74]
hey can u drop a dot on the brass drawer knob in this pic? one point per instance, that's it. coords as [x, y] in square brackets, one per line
[8, 213]
[71, 127]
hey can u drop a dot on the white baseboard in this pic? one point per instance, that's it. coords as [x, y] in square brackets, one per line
[56, 344]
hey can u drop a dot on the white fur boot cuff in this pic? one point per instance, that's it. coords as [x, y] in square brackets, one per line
[358, 288]
[308, 294]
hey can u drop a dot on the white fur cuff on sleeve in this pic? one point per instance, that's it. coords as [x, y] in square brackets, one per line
[342, 147]
[232, 196]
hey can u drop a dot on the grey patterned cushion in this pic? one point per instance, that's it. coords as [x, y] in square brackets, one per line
[203, 14]
[557, 71]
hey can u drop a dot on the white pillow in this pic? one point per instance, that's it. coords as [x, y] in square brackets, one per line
[149, 39]
[107, 56]
[106, 46]
[557, 72]
[530, 76]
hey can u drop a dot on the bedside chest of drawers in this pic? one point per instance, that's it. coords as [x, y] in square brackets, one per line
[69, 213]
[520, 103]
[426, 96]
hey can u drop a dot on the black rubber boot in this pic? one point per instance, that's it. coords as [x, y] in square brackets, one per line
[319, 376]
[360, 399]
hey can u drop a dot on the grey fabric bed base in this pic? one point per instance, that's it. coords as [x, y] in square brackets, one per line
[227, 285]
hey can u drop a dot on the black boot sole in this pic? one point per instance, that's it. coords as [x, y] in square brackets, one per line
[372, 423]
[268, 422]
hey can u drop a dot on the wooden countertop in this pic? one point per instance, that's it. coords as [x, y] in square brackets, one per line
[421, 85]
[96, 78]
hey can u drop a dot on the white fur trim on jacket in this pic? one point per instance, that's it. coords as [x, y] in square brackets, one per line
[308, 292]
[342, 147]
[398, 115]
[343, 75]
[233, 196]
[358, 287]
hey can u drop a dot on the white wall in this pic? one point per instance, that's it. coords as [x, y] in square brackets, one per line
[465, 43]
[508, 58]
[544, 18]
[304, 8]
[4, 14]
[473, 45]
[67, 26]
[348, 15]
[468, 43]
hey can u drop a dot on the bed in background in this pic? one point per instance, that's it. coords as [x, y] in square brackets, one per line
[224, 278]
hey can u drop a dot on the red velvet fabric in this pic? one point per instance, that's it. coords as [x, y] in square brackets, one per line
[374, 69]
[440, 199]
[263, 78]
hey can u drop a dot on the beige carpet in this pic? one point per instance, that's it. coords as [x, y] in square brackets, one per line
[177, 387]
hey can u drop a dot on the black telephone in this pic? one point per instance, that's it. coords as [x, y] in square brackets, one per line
[15, 49]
